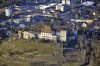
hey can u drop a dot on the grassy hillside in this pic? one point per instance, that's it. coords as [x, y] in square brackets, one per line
[23, 52]
[30, 53]
[26, 46]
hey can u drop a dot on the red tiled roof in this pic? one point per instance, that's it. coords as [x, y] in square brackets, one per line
[2, 10]
[46, 29]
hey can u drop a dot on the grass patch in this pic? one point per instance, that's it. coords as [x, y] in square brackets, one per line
[22, 46]
[26, 46]
[71, 64]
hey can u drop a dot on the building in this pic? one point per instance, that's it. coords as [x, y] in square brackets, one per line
[62, 7]
[54, 38]
[63, 36]
[43, 7]
[8, 11]
[69, 2]
[20, 34]
[66, 2]
[59, 6]
[2, 10]
[88, 21]
[2, 13]
[28, 35]
[84, 25]
[65, 8]
[45, 32]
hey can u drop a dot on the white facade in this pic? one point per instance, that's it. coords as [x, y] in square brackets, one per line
[8, 12]
[88, 3]
[43, 7]
[28, 35]
[54, 38]
[19, 34]
[62, 8]
[63, 1]
[84, 25]
[58, 7]
[82, 20]
[66, 2]
[28, 19]
[45, 36]
[63, 35]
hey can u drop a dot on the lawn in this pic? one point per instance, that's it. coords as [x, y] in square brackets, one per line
[26, 46]
[27, 52]
[71, 64]
[22, 50]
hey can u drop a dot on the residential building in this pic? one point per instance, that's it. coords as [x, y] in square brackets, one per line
[62, 7]
[8, 11]
[28, 35]
[45, 33]
[58, 7]
[20, 34]
[82, 20]
[54, 38]
[84, 25]
[63, 35]
[69, 2]
[2, 10]
[66, 2]
[43, 7]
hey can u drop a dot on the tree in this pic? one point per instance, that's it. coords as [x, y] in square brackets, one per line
[0, 41]
[96, 55]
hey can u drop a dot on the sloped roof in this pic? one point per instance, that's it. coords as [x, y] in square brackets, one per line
[46, 29]
[2, 10]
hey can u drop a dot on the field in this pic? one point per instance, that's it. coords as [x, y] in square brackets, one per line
[30, 53]
[20, 51]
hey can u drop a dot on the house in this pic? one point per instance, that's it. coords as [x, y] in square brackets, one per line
[8, 11]
[2, 10]
[69, 2]
[43, 7]
[66, 2]
[45, 33]
[84, 25]
[58, 6]
[62, 7]
[63, 35]
[28, 35]
[20, 34]
[2, 13]
[82, 21]
[54, 38]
